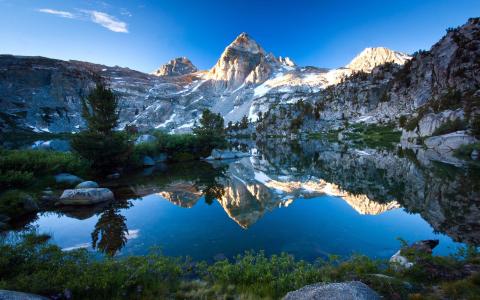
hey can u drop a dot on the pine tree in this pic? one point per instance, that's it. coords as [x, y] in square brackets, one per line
[105, 148]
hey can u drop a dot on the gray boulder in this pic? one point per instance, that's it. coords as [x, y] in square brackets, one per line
[67, 178]
[352, 290]
[87, 185]
[145, 138]
[85, 196]
[114, 176]
[148, 161]
[226, 154]
[12, 295]
[474, 155]
[449, 142]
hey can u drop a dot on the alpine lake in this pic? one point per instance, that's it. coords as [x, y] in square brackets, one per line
[309, 198]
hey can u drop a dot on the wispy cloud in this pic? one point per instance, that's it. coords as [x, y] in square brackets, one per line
[60, 13]
[108, 21]
[98, 17]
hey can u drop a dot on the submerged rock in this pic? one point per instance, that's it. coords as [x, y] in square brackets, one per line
[12, 295]
[226, 154]
[87, 185]
[334, 291]
[67, 178]
[85, 196]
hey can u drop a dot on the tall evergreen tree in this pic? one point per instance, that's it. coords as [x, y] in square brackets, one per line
[105, 148]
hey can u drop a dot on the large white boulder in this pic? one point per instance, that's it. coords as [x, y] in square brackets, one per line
[85, 196]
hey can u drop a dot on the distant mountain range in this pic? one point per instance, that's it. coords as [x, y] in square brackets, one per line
[378, 85]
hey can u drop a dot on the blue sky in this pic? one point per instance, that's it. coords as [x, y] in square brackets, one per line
[144, 34]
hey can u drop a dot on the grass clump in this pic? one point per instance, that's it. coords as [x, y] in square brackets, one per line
[450, 126]
[29, 263]
[178, 147]
[18, 168]
[465, 151]
[374, 135]
[16, 203]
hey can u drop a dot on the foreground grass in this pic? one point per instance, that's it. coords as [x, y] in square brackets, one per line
[31, 264]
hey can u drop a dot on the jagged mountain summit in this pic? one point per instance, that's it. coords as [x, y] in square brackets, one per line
[370, 58]
[176, 67]
[44, 94]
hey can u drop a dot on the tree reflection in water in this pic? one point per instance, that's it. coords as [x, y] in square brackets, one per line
[110, 233]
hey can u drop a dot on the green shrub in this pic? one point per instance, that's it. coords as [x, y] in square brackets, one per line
[450, 126]
[15, 203]
[12, 178]
[402, 121]
[103, 152]
[24, 163]
[466, 150]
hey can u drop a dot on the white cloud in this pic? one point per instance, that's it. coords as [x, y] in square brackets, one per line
[107, 21]
[60, 13]
[98, 17]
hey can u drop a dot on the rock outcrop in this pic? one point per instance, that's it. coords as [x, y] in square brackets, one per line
[85, 196]
[352, 290]
[176, 67]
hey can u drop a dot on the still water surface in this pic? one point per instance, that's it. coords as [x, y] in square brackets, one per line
[310, 199]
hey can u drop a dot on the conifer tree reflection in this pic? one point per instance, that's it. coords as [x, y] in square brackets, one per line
[110, 233]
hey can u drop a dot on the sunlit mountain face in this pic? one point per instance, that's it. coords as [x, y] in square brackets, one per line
[328, 197]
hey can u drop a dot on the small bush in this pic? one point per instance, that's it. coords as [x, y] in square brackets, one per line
[104, 152]
[16, 164]
[450, 126]
[15, 203]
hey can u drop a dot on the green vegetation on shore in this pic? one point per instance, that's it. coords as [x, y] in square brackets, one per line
[373, 135]
[29, 263]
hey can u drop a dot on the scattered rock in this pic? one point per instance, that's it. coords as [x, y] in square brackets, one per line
[85, 196]
[12, 295]
[334, 291]
[87, 185]
[114, 176]
[29, 204]
[145, 138]
[225, 154]
[400, 261]
[67, 178]
[148, 161]
[474, 155]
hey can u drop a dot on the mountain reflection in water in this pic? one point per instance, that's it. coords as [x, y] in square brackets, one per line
[370, 181]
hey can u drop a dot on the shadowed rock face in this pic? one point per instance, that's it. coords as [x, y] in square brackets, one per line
[176, 67]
